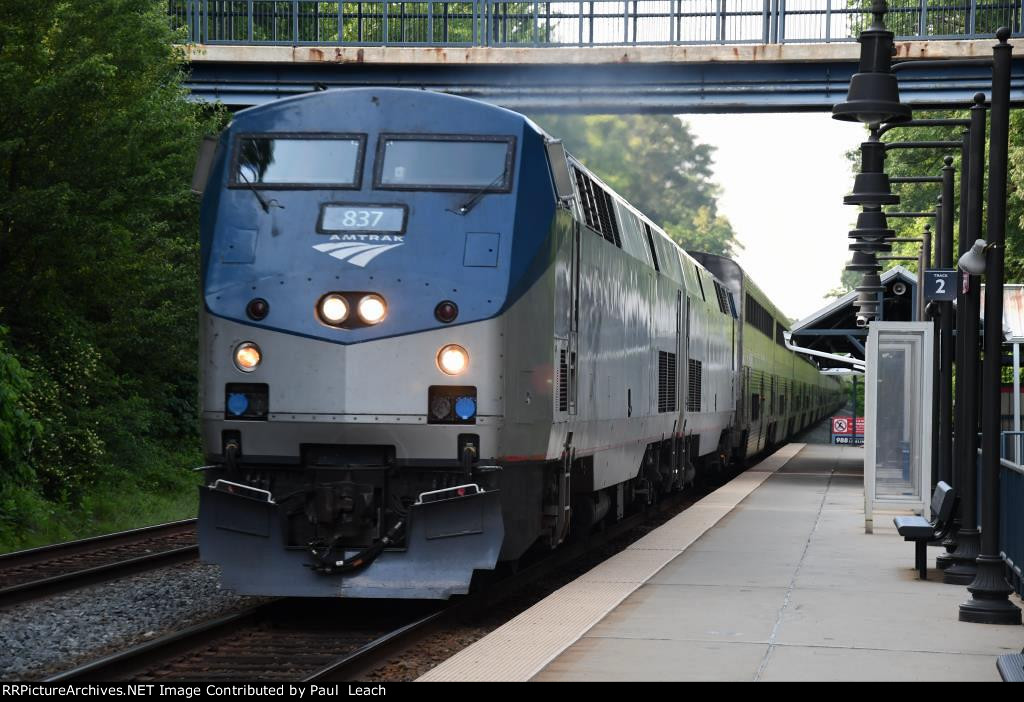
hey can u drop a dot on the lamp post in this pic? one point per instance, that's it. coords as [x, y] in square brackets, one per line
[963, 569]
[944, 256]
[990, 603]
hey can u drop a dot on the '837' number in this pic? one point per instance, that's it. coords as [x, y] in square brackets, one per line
[361, 218]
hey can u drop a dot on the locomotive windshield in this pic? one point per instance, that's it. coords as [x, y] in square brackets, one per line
[444, 163]
[296, 161]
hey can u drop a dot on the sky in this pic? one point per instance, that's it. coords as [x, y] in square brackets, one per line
[782, 179]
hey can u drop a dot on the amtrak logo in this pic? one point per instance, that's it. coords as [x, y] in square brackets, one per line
[356, 248]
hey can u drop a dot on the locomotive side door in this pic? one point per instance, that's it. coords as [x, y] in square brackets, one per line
[567, 323]
[684, 358]
[574, 321]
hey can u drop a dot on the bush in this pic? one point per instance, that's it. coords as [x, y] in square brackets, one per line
[98, 263]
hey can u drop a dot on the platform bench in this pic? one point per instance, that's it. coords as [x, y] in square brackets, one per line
[1011, 667]
[921, 531]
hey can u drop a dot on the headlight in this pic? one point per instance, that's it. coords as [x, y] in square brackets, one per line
[452, 359]
[247, 356]
[372, 309]
[333, 309]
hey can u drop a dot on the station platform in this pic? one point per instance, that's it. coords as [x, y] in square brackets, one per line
[771, 577]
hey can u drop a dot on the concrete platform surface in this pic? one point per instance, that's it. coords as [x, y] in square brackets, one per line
[779, 583]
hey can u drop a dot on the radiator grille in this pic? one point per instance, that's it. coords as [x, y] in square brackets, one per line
[693, 389]
[666, 382]
[563, 382]
[598, 207]
[723, 299]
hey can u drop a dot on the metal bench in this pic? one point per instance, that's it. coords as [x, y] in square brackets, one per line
[921, 531]
[1011, 667]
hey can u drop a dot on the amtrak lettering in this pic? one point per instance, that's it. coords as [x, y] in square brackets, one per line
[354, 249]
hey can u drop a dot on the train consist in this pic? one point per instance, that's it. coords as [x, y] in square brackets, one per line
[432, 340]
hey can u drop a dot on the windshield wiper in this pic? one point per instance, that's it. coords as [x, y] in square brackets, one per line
[264, 203]
[478, 195]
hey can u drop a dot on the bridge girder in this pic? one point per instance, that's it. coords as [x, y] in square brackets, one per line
[778, 78]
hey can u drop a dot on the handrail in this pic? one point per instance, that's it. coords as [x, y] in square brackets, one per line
[573, 23]
[1010, 465]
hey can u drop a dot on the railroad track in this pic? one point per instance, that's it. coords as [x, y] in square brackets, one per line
[37, 572]
[317, 640]
[306, 640]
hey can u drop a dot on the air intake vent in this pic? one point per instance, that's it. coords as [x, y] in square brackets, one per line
[666, 382]
[563, 382]
[598, 207]
[693, 389]
[723, 299]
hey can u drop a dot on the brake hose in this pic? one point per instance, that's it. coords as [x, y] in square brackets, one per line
[326, 565]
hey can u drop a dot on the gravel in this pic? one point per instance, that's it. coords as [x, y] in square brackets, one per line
[68, 629]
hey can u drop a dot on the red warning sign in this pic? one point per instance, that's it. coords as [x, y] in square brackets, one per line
[841, 425]
[848, 430]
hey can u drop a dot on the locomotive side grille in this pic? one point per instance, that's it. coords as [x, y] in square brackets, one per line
[693, 390]
[563, 382]
[666, 382]
[589, 206]
[598, 207]
[723, 300]
[609, 225]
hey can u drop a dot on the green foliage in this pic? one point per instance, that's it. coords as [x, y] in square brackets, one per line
[359, 22]
[941, 18]
[18, 429]
[847, 282]
[655, 163]
[98, 250]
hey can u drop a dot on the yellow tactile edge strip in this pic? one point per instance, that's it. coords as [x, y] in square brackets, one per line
[521, 648]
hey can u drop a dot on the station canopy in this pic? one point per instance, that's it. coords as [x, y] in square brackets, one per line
[833, 329]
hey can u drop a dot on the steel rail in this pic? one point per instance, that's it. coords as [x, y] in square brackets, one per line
[48, 558]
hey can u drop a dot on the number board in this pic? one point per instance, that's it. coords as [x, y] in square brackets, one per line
[940, 285]
[361, 218]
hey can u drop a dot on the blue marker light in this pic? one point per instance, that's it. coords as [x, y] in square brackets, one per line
[465, 407]
[238, 403]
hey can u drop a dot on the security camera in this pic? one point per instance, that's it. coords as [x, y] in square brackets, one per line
[862, 321]
[899, 288]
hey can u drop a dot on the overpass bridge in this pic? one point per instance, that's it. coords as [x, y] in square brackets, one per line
[586, 56]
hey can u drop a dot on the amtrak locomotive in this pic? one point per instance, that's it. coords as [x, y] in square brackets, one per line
[432, 340]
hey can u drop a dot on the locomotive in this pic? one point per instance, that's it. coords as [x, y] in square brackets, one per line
[432, 340]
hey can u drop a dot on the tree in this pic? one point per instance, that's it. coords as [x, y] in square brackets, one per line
[98, 234]
[654, 162]
[848, 280]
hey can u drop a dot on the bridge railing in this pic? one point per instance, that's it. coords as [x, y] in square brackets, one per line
[580, 23]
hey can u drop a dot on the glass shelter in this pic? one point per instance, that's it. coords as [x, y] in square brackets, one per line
[898, 426]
